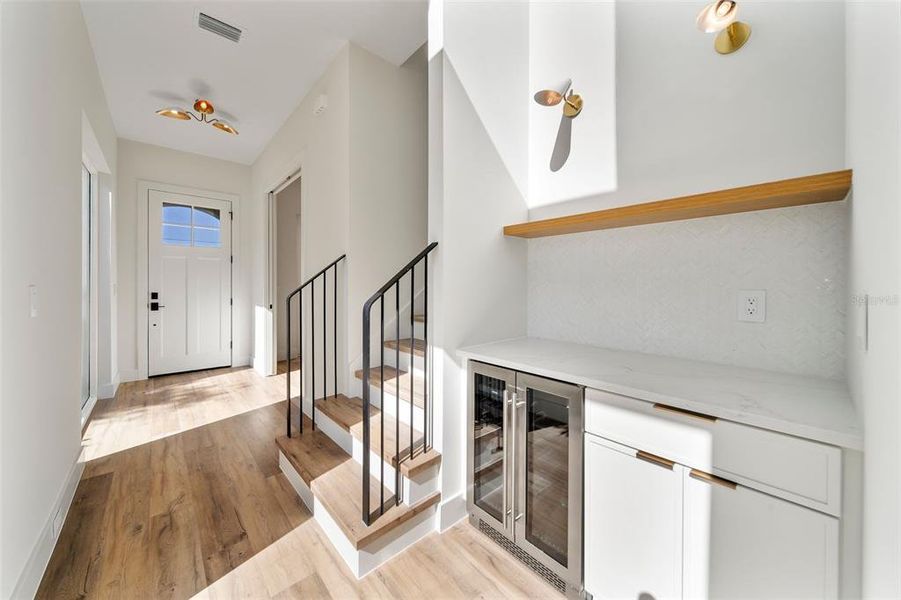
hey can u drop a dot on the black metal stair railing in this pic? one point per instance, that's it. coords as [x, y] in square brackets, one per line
[311, 283]
[379, 296]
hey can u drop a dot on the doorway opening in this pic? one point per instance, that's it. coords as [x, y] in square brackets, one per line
[285, 206]
[88, 393]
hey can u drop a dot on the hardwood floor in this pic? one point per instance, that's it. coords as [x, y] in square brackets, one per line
[181, 495]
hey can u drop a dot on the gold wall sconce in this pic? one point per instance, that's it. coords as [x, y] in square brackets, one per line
[720, 17]
[572, 103]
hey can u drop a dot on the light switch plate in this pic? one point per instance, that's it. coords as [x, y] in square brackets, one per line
[752, 306]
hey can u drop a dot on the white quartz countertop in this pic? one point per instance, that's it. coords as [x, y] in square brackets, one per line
[808, 407]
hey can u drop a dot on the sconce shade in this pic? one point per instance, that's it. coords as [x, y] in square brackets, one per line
[174, 113]
[552, 97]
[716, 16]
[204, 107]
[223, 126]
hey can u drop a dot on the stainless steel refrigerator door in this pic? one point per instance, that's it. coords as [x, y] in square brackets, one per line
[488, 460]
[547, 505]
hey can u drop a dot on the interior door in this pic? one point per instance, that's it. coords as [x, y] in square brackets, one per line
[189, 283]
[488, 461]
[548, 473]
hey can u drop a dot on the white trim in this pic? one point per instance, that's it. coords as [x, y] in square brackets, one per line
[144, 188]
[30, 578]
[109, 390]
[87, 409]
[129, 375]
[451, 512]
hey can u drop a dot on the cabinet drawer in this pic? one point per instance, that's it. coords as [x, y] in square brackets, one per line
[803, 471]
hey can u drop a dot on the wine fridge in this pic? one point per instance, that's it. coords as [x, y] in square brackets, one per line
[524, 469]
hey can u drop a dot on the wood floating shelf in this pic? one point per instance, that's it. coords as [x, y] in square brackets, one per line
[827, 187]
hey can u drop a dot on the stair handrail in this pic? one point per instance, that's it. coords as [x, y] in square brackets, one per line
[379, 296]
[298, 290]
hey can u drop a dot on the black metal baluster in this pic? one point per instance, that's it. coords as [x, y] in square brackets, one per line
[367, 517]
[396, 392]
[313, 350]
[425, 358]
[412, 348]
[382, 404]
[300, 356]
[335, 328]
[288, 345]
[324, 336]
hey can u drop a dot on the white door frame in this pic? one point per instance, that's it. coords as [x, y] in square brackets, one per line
[143, 256]
[94, 226]
[291, 175]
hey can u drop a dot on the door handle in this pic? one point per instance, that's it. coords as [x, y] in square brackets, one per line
[154, 306]
[711, 479]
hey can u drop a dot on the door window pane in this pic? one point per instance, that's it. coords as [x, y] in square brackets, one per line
[176, 235]
[206, 238]
[547, 473]
[206, 217]
[176, 214]
[488, 449]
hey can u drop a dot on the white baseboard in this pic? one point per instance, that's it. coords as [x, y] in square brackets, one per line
[451, 512]
[87, 409]
[30, 578]
[108, 390]
[242, 361]
[130, 375]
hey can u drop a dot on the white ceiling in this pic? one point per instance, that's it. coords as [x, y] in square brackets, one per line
[152, 55]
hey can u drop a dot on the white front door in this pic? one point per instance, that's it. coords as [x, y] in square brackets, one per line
[189, 283]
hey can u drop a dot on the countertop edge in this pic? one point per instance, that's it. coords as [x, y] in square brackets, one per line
[811, 432]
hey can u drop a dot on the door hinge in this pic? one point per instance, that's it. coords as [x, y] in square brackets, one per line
[230, 344]
[231, 301]
[232, 215]
[232, 259]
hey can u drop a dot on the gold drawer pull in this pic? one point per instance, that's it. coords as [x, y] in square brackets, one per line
[708, 478]
[685, 413]
[654, 459]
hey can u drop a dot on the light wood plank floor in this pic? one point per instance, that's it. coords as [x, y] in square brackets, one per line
[182, 496]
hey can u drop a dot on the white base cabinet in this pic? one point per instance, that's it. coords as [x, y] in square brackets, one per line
[633, 524]
[740, 543]
[661, 525]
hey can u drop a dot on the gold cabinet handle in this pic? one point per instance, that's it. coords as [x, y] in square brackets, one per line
[654, 459]
[685, 413]
[712, 479]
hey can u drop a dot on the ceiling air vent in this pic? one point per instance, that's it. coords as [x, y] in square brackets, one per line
[205, 21]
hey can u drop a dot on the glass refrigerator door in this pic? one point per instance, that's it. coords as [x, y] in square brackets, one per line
[488, 444]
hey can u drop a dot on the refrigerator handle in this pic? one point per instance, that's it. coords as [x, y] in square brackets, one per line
[515, 426]
[508, 403]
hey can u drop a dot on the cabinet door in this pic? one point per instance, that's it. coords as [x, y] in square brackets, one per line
[740, 543]
[633, 523]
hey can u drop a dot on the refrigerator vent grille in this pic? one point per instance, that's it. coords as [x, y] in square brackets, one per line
[548, 575]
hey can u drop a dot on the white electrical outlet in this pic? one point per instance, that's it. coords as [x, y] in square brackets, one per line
[752, 306]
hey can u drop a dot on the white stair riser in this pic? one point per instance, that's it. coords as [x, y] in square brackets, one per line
[392, 405]
[361, 562]
[413, 490]
[404, 363]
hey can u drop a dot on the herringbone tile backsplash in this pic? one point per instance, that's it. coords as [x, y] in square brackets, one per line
[671, 288]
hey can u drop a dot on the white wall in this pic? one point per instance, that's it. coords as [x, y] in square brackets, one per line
[478, 175]
[873, 138]
[690, 120]
[144, 162]
[49, 80]
[572, 40]
[317, 145]
[388, 179]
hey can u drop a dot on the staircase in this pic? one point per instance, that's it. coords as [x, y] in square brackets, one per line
[365, 466]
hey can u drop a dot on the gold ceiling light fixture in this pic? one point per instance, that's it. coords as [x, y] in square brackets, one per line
[572, 103]
[205, 109]
[720, 16]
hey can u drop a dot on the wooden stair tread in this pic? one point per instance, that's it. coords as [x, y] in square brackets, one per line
[313, 453]
[392, 378]
[344, 411]
[404, 346]
[409, 467]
